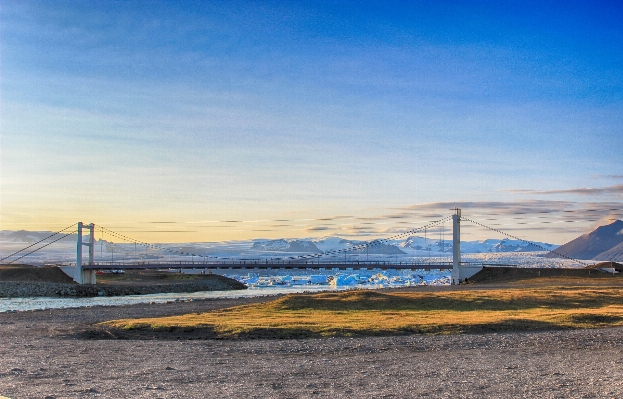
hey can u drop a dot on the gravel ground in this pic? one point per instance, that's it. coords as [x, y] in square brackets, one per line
[43, 355]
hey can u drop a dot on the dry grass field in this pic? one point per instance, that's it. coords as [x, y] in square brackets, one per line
[370, 313]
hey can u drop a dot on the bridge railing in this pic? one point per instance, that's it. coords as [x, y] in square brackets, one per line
[286, 264]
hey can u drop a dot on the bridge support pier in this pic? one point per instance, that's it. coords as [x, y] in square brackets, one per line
[82, 276]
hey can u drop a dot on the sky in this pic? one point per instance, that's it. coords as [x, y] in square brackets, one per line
[209, 121]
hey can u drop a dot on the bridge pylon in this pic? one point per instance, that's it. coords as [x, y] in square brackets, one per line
[82, 276]
[460, 272]
[456, 247]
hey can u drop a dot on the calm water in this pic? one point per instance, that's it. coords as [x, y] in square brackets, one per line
[42, 303]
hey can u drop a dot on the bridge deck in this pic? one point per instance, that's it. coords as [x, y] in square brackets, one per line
[284, 266]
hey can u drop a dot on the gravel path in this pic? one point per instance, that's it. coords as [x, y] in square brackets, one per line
[42, 356]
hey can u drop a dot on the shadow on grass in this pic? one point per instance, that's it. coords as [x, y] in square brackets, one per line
[208, 332]
[147, 333]
[594, 320]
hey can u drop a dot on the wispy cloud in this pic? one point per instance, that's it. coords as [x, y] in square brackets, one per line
[616, 190]
[160, 231]
[331, 218]
[491, 207]
[538, 218]
[398, 216]
[317, 228]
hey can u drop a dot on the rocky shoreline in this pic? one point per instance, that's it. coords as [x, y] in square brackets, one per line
[16, 289]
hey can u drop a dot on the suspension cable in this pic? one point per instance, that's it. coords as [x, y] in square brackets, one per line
[159, 247]
[38, 242]
[31, 252]
[526, 242]
[332, 252]
[373, 242]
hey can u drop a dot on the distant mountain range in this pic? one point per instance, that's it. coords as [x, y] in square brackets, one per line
[282, 245]
[604, 243]
[480, 246]
[412, 246]
[30, 237]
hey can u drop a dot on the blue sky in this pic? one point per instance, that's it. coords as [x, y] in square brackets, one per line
[204, 113]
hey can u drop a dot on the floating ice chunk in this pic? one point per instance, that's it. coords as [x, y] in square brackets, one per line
[318, 279]
[342, 280]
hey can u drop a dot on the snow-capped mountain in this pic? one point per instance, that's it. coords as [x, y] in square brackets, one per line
[418, 243]
[414, 246]
[281, 245]
[378, 248]
[270, 245]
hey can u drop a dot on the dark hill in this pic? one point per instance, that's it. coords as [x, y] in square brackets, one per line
[591, 245]
[34, 274]
[510, 274]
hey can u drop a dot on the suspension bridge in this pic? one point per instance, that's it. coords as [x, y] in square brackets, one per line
[86, 272]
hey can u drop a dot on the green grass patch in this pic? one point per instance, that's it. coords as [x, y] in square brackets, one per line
[365, 313]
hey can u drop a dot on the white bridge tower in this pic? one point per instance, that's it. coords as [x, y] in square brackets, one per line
[82, 276]
[460, 272]
[456, 247]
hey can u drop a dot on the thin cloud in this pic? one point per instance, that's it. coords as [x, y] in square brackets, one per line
[492, 207]
[616, 189]
[616, 177]
[317, 228]
[395, 216]
[330, 218]
[160, 231]
[398, 216]
[545, 216]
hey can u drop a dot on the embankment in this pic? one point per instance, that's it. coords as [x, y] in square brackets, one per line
[31, 281]
[11, 289]
[511, 274]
